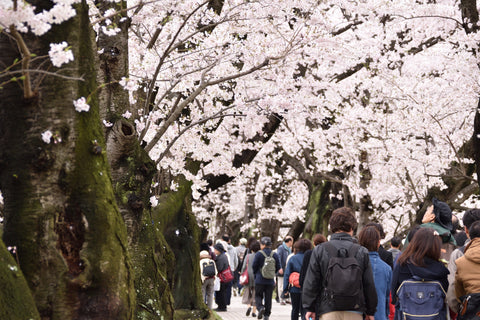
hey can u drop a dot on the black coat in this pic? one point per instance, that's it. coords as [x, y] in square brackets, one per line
[386, 256]
[313, 285]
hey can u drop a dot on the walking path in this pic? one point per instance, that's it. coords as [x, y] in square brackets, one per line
[236, 311]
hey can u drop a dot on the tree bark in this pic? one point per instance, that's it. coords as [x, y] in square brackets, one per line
[60, 209]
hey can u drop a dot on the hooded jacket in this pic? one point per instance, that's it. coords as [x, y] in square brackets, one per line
[467, 277]
[314, 283]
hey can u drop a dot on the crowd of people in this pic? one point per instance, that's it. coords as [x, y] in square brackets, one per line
[434, 273]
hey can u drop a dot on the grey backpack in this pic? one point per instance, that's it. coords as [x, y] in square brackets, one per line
[268, 268]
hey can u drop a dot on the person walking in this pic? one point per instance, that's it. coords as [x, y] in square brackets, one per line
[439, 218]
[369, 237]
[317, 239]
[222, 264]
[395, 244]
[248, 297]
[420, 263]
[208, 271]
[358, 293]
[283, 251]
[231, 251]
[469, 217]
[385, 255]
[467, 276]
[241, 250]
[292, 271]
[265, 277]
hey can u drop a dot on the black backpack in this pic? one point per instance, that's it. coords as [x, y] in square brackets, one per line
[470, 307]
[343, 280]
[208, 268]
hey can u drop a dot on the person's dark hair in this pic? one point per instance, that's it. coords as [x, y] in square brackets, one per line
[378, 226]
[210, 242]
[474, 230]
[342, 219]
[470, 216]
[255, 246]
[288, 239]
[302, 245]
[369, 237]
[204, 247]
[396, 242]
[411, 233]
[425, 243]
[319, 238]
[226, 237]
[250, 241]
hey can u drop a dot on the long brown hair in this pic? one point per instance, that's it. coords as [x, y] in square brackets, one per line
[425, 243]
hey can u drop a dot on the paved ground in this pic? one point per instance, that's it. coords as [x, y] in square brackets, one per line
[236, 311]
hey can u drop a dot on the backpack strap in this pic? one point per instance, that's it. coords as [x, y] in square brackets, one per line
[263, 252]
[352, 251]
[333, 251]
[414, 276]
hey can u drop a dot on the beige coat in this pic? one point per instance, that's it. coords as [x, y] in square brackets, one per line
[467, 277]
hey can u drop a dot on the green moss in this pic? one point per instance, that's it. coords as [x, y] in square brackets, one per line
[15, 296]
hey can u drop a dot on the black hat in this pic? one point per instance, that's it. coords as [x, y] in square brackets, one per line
[219, 247]
[443, 214]
[266, 241]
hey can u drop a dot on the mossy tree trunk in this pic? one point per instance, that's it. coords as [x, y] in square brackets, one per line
[60, 209]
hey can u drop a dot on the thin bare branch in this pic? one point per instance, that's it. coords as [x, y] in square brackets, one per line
[55, 74]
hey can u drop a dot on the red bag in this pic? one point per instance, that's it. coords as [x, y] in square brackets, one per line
[244, 277]
[243, 280]
[226, 275]
[294, 279]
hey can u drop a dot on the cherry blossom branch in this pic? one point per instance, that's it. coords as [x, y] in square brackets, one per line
[26, 55]
[428, 16]
[199, 122]
[166, 53]
[450, 142]
[203, 84]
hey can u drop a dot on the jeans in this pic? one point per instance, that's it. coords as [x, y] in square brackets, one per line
[296, 298]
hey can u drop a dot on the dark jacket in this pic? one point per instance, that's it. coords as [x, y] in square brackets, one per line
[314, 284]
[293, 265]
[222, 262]
[433, 270]
[306, 261]
[257, 265]
[386, 256]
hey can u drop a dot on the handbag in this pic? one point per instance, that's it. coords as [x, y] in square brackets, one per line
[243, 280]
[226, 275]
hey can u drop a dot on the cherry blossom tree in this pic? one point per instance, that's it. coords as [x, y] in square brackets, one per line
[389, 124]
